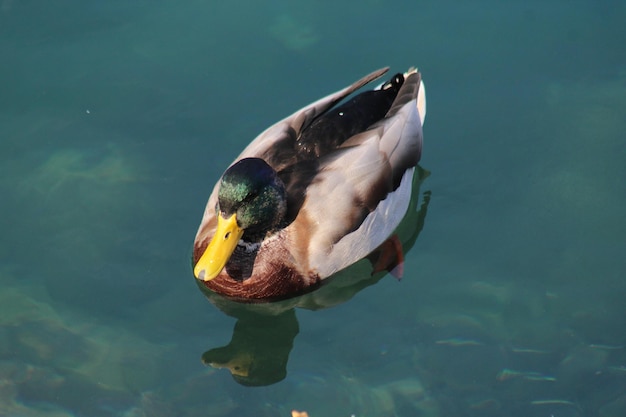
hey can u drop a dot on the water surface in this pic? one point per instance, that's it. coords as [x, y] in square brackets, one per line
[116, 119]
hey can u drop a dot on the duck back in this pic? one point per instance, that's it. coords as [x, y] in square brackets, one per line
[333, 127]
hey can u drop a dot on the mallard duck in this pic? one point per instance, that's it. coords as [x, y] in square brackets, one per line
[314, 193]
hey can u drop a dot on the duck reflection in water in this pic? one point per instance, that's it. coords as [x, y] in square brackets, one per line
[264, 333]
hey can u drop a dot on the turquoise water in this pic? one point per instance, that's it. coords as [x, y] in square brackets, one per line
[117, 117]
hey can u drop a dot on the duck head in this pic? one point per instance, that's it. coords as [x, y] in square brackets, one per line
[251, 204]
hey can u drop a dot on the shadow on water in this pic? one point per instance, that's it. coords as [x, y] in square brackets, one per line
[263, 335]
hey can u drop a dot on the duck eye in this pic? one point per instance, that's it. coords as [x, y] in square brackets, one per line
[251, 196]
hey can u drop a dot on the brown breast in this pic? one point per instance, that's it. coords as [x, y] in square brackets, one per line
[269, 274]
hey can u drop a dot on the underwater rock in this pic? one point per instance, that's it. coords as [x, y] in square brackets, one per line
[292, 34]
[64, 361]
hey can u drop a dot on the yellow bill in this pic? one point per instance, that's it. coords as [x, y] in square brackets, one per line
[220, 248]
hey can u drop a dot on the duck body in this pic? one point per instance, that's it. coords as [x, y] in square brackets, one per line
[314, 193]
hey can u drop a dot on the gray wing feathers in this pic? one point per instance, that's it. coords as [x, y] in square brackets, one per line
[289, 127]
[372, 232]
[373, 176]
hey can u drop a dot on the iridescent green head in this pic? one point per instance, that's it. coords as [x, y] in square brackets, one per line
[251, 204]
[252, 191]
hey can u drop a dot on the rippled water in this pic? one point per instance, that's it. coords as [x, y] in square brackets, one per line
[117, 117]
